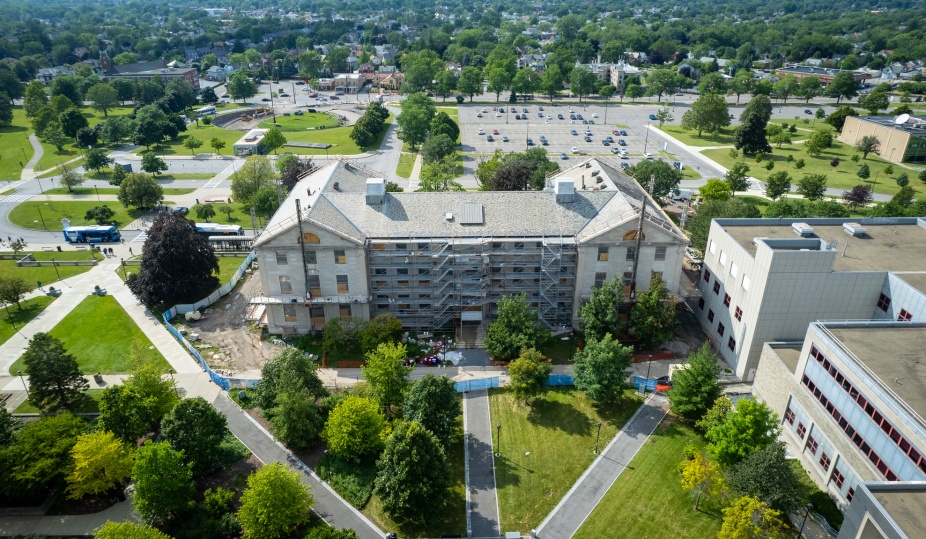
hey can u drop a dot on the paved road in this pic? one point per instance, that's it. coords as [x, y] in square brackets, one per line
[328, 504]
[482, 499]
[585, 495]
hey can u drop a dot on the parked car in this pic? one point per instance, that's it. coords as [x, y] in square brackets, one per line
[540, 108]
[524, 110]
[284, 94]
[605, 142]
[530, 142]
[505, 138]
[572, 116]
[265, 99]
[225, 96]
[574, 132]
[313, 94]
[495, 131]
[610, 138]
[647, 156]
[484, 110]
[579, 117]
[588, 139]
[181, 210]
[695, 261]
[540, 115]
[562, 155]
[490, 138]
[574, 149]
[501, 109]
[481, 131]
[808, 111]
[623, 133]
[653, 117]
[334, 98]
[625, 164]
[622, 142]
[558, 116]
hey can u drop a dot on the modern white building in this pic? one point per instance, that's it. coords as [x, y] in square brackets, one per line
[342, 247]
[766, 280]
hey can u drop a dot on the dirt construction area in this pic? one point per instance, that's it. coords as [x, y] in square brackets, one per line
[229, 343]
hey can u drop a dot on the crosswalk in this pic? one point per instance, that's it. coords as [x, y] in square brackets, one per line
[140, 238]
[214, 182]
[14, 198]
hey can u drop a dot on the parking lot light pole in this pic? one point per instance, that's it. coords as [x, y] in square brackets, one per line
[646, 140]
[55, 264]
[20, 374]
[498, 439]
[597, 437]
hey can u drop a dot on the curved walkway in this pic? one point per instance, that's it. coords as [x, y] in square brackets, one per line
[28, 172]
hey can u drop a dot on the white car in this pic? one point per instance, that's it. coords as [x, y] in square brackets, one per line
[594, 115]
[498, 114]
[647, 156]
[549, 117]
[695, 261]
[485, 110]
[482, 132]
[546, 121]
[574, 149]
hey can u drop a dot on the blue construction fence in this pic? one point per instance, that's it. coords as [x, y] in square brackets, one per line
[489, 383]
[222, 381]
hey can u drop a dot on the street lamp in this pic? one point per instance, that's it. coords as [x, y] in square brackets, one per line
[173, 382]
[800, 532]
[55, 264]
[646, 140]
[40, 184]
[498, 439]
[649, 365]
[24, 153]
[327, 471]
[20, 374]
[597, 437]
[39, 208]
[95, 188]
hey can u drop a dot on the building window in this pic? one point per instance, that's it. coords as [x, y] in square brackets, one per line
[717, 288]
[713, 248]
[707, 275]
[401, 247]
[710, 315]
[600, 278]
[344, 311]
[837, 478]
[701, 303]
[631, 253]
[801, 430]
[401, 271]
[734, 270]
[812, 445]
[723, 258]
[308, 237]
[289, 313]
[904, 316]
[339, 257]
[311, 257]
[884, 302]
[315, 287]
[825, 461]
[602, 254]
[286, 287]
[731, 344]
[628, 276]
[738, 314]
[425, 271]
[317, 313]
[660, 253]
[789, 416]
[281, 259]
[850, 494]
[720, 328]
[726, 300]
[379, 271]
[343, 287]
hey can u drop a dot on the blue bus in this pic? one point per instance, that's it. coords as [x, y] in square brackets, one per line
[95, 234]
[214, 229]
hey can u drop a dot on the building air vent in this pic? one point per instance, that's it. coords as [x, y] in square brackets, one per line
[376, 191]
[448, 216]
[565, 190]
[472, 214]
[802, 229]
[854, 229]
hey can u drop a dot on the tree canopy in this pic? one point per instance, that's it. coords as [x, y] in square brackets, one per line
[514, 329]
[599, 313]
[275, 503]
[529, 374]
[163, 482]
[602, 369]
[353, 428]
[386, 374]
[196, 429]
[695, 388]
[101, 462]
[55, 379]
[432, 401]
[750, 427]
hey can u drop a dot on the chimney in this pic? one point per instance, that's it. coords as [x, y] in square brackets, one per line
[565, 190]
[376, 191]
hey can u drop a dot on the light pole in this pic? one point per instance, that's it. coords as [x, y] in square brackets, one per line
[649, 365]
[20, 374]
[7, 306]
[24, 153]
[55, 264]
[597, 437]
[39, 208]
[173, 382]
[498, 439]
[327, 471]
[800, 532]
[95, 188]
[646, 140]
[40, 184]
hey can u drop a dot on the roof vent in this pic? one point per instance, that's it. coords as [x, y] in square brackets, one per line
[336, 186]
[565, 190]
[854, 229]
[448, 216]
[472, 214]
[802, 229]
[376, 190]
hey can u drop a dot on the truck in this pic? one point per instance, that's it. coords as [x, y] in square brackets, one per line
[94, 233]
[682, 194]
[214, 229]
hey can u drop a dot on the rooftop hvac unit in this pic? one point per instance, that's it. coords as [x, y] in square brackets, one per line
[854, 229]
[802, 229]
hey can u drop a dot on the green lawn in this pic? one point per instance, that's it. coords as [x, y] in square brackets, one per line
[90, 406]
[406, 164]
[560, 352]
[14, 140]
[30, 309]
[103, 338]
[691, 138]
[842, 176]
[648, 501]
[308, 120]
[31, 214]
[47, 275]
[228, 265]
[53, 157]
[112, 190]
[204, 133]
[240, 215]
[546, 447]
[338, 137]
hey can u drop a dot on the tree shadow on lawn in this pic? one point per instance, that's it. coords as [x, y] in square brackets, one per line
[508, 473]
[618, 412]
[558, 415]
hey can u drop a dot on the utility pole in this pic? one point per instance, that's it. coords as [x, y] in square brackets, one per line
[636, 254]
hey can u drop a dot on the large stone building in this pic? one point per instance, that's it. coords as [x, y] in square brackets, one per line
[824, 74]
[442, 260]
[901, 139]
[148, 70]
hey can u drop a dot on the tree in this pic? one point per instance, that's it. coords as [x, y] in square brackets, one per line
[868, 144]
[551, 81]
[699, 224]
[255, 173]
[386, 374]
[820, 140]
[70, 178]
[192, 143]
[12, 290]
[599, 313]
[514, 328]
[499, 80]
[442, 123]
[737, 177]
[712, 83]
[436, 148]
[353, 428]
[39, 457]
[777, 184]
[874, 102]
[750, 427]
[664, 81]
[87, 137]
[128, 530]
[72, 120]
[715, 189]
[667, 177]
[163, 482]
[838, 118]
[204, 211]
[275, 503]
[66, 85]
[525, 81]
[365, 131]
[55, 380]
[860, 195]
[812, 186]
[601, 369]
[217, 144]
[633, 92]
[415, 119]
[750, 136]
[8, 427]
[922, 176]
[748, 518]
[903, 197]
[742, 83]
[439, 175]
[274, 139]
[96, 159]
[708, 113]
[140, 190]
[470, 82]
[767, 475]
[54, 135]
[381, 329]
[785, 87]
[290, 366]
[135, 407]
[663, 115]
[528, 374]
[778, 135]
[582, 82]
[35, 98]
[700, 472]
[432, 401]
[99, 214]
[695, 388]
[195, 428]
[178, 265]
[152, 164]
[101, 462]
[903, 180]
[809, 88]
[843, 85]
[413, 474]
[653, 317]
[240, 86]
[103, 97]
[295, 418]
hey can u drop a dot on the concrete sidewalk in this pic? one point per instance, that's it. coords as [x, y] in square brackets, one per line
[586, 494]
[68, 525]
[482, 519]
[28, 172]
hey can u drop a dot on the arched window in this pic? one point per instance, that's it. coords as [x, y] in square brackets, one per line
[632, 235]
[308, 237]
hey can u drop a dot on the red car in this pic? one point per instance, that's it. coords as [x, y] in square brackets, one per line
[495, 131]
[313, 94]
[615, 132]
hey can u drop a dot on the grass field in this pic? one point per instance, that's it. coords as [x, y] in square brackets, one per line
[14, 141]
[53, 157]
[338, 137]
[648, 501]
[91, 405]
[112, 190]
[47, 275]
[30, 309]
[103, 338]
[308, 120]
[546, 447]
[227, 267]
[406, 164]
[204, 133]
[31, 214]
